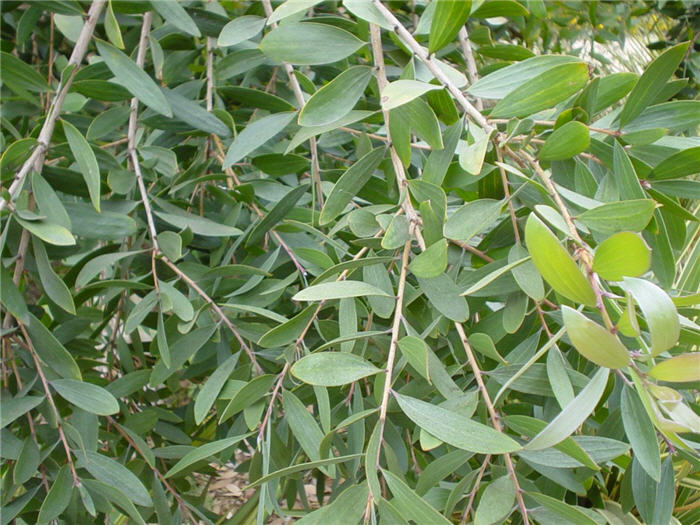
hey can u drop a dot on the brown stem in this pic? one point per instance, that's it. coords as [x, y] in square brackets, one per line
[268, 412]
[475, 488]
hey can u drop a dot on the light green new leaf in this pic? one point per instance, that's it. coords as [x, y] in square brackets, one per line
[456, 429]
[659, 312]
[594, 342]
[337, 290]
[543, 91]
[623, 254]
[403, 91]
[309, 43]
[682, 368]
[53, 285]
[555, 264]
[640, 432]
[89, 397]
[496, 502]
[681, 164]
[652, 82]
[332, 368]
[174, 13]
[472, 218]
[337, 98]
[570, 139]
[612, 217]
[349, 184]
[448, 18]
[133, 78]
[255, 135]
[240, 29]
[432, 262]
[573, 415]
[86, 160]
[204, 452]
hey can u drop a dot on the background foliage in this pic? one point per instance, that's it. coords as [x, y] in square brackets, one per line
[426, 262]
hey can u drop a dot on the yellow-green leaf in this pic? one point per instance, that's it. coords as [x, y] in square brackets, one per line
[680, 369]
[593, 341]
[623, 254]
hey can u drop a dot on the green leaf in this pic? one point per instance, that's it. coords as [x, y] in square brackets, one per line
[454, 428]
[525, 273]
[492, 276]
[27, 463]
[659, 312]
[276, 214]
[448, 18]
[249, 394]
[555, 264]
[397, 233]
[290, 7]
[332, 368]
[49, 202]
[190, 112]
[287, 332]
[623, 254]
[443, 294]
[240, 29]
[114, 34]
[594, 342]
[53, 285]
[58, 497]
[337, 98]
[403, 91]
[255, 135]
[542, 91]
[203, 452]
[198, 225]
[300, 467]
[337, 290]
[309, 43]
[133, 78]
[348, 507]
[209, 392]
[89, 397]
[681, 164]
[432, 262]
[174, 13]
[113, 473]
[303, 425]
[14, 407]
[51, 351]
[11, 297]
[573, 415]
[612, 217]
[640, 432]
[570, 513]
[679, 369]
[566, 141]
[410, 505]
[86, 160]
[99, 264]
[19, 75]
[472, 218]
[496, 502]
[106, 225]
[652, 82]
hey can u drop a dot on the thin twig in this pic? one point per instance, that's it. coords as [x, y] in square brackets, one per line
[472, 73]
[475, 488]
[268, 412]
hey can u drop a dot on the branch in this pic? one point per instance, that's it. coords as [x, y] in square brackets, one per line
[36, 159]
[469, 61]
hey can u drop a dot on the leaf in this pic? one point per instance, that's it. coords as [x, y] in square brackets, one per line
[15, 407]
[332, 368]
[106, 225]
[681, 164]
[337, 290]
[593, 341]
[337, 98]
[240, 29]
[403, 91]
[454, 428]
[679, 369]
[51, 351]
[53, 285]
[410, 505]
[58, 497]
[11, 297]
[302, 425]
[300, 467]
[290, 7]
[255, 135]
[623, 254]
[249, 394]
[112, 27]
[89, 397]
[397, 233]
[113, 473]
[133, 78]
[276, 214]
[198, 225]
[471, 156]
[542, 91]
[563, 510]
[174, 13]
[448, 18]
[555, 264]
[100, 263]
[472, 218]
[190, 112]
[492, 276]
[86, 160]
[573, 415]
[612, 217]
[652, 82]
[640, 432]
[566, 141]
[348, 507]
[49, 202]
[659, 312]
[443, 294]
[309, 43]
[203, 452]
[496, 502]
[525, 273]
[501, 82]
[19, 75]
[432, 262]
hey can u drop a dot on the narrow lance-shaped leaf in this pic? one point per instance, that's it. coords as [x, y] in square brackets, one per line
[332, 368]
[570, 139]
[255, 135]
[86, 160]
[659, 312]
[337, 98]
[337, 290]
[641, 433]
[448, 19]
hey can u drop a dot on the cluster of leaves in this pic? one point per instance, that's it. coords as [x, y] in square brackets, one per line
[420, 255]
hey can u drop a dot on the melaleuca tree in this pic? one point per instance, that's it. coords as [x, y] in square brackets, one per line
[438, 260]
